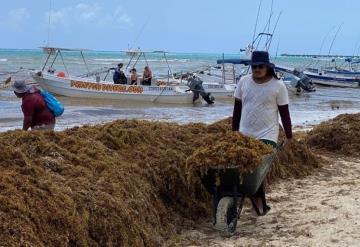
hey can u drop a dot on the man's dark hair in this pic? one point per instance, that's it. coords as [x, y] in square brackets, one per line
[271, 72]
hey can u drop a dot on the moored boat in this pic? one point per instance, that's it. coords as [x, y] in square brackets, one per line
[85, 88]
[62, 83]
[333, 80]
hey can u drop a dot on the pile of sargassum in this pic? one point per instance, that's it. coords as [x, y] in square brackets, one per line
[132, 183]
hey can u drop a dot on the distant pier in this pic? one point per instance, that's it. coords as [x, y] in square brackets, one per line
[319, 56]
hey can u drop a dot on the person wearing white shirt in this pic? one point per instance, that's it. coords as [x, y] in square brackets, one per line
[259, 100]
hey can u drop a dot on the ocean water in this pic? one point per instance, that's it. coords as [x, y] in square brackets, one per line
[306, 110]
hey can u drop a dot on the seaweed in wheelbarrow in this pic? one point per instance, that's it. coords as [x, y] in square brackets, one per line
[230, 165]
[227, 150]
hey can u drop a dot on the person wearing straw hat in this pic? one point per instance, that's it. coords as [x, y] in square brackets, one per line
[37, 115]
[259, 100]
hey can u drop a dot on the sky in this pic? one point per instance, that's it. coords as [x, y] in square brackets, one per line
[180, 25]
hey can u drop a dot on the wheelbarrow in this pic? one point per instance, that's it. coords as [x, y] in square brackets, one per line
[229, 190]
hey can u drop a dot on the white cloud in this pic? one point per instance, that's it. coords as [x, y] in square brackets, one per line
[15, 18]
[92, 15]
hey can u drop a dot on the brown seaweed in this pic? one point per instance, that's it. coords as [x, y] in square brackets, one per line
[119, 184]
[340, 135]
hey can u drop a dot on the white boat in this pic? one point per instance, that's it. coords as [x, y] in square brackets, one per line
[220, 91]
[333, 80]
[216, 89]
[64, 84]
[325, 79]
[84, 88]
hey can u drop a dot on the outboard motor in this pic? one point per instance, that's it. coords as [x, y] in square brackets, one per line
[303, 82]
[195, 85]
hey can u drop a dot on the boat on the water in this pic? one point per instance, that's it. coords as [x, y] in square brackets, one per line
[322, 78]
[333, 79]
[78, 87]
[86, 86]
[297, 84]
[211, 82]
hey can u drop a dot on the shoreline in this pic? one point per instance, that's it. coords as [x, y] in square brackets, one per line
[68, 121]
[305, 112]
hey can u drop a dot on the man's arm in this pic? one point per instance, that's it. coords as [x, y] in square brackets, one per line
[27, 122]
[28, 108]
[286, 120]
[236, 115]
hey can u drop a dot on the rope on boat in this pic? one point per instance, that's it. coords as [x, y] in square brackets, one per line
[159, 94]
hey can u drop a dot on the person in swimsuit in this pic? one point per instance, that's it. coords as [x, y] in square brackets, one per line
[147, 76]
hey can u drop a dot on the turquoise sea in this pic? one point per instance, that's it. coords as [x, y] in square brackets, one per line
[306, 109]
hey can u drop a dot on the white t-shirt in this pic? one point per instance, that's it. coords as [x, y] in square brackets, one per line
[260, 114]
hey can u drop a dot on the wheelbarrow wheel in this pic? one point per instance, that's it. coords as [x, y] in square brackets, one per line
[226, 215]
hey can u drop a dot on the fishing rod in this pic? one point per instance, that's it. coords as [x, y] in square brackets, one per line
[272, 34]
[309, 64]
[325, 37]
[267, 26]
[49, 23]
[332, 43]
[336, 34]
[268, 34]
[140, 32]
[356, 46]
[271, 13]
[256, 23]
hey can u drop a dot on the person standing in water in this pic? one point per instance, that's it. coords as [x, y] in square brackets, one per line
[259, 100]
[37, 115]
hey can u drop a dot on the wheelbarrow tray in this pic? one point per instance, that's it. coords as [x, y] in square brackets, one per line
[247, 184]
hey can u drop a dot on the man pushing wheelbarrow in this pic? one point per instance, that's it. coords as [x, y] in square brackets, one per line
[259, 100]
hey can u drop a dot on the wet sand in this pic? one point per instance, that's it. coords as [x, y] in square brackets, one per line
[306, 110]
[320, 210]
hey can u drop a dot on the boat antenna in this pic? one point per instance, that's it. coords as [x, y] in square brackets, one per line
[256, 22]
[49, 27]
[336, 34]
[325, 38]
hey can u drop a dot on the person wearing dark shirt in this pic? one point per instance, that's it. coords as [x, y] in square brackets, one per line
[119, 76]
[37, 115]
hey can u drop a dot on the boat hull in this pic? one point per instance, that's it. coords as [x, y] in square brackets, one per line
[81, 88]
[220, 91]
[334, 81]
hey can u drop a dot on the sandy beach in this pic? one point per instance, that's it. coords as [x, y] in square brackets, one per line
[320, 210]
